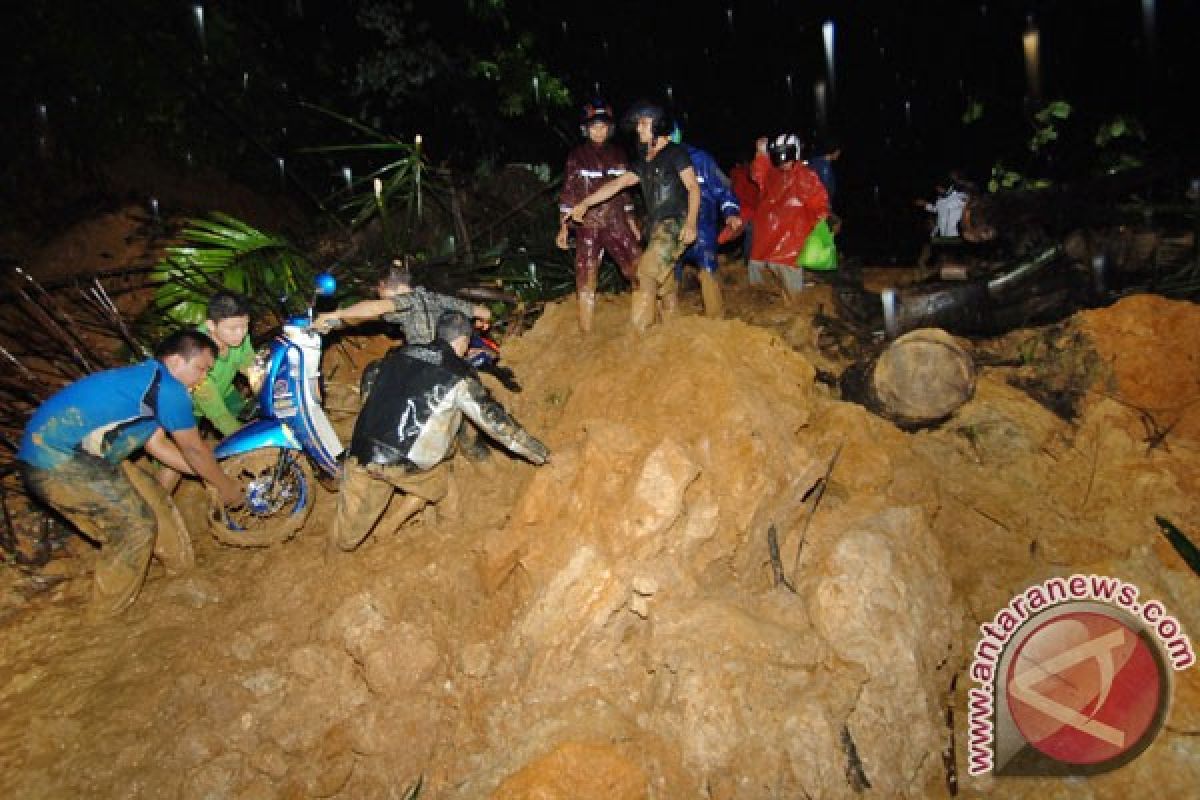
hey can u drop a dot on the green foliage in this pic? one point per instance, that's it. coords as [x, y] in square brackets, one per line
[1047, 122]
[1119, 128]
[393, 190]
[522, 82]
[973, 112]
[1116, 139]
[459, 66]
[222, 252]
[1116, 144]
[1046, 129]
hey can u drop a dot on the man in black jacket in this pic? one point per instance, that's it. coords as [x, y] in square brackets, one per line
[407, 428]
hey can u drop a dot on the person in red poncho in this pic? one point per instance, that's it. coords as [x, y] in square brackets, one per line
[791, 203]
[747, 193]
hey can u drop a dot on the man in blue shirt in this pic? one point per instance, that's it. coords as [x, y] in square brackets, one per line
[74, 444]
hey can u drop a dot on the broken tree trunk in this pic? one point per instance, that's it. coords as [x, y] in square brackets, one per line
[919, 380]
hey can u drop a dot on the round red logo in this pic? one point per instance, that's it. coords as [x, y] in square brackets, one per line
[1085, 688]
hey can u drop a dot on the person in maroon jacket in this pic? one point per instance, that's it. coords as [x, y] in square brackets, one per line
[607, 227]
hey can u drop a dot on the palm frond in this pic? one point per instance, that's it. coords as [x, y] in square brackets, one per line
[223, 252]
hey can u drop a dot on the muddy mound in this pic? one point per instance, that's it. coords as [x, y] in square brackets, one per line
[611, 624]
[643, 611]
[1152, 346]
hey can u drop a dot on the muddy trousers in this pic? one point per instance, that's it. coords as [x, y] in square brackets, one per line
[102, 503]
[590, 246]
[656, 275]
[367, 490]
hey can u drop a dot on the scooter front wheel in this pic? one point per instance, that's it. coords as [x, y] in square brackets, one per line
[280, 492]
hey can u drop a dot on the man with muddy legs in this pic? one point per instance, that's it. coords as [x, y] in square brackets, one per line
[74, 446]
[717, 201]
[608, 226]
[672, 198]
[407, 429]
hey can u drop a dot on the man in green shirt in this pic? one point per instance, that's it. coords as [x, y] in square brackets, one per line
[216, 398]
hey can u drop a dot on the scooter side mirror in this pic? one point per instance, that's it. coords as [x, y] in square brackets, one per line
[325, 284]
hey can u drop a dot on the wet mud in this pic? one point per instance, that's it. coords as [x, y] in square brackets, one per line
[610, 624]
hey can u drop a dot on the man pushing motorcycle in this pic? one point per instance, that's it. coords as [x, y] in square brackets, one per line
[406, 432]
[414, 308]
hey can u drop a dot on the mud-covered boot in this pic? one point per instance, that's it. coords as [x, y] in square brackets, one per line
[670, 305]
[120, 572]
[587, 309]
[473, 444]
[400, 511]
[710, 290]
[642, 315]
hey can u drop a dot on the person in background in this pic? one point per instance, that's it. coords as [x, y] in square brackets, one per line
[607, 227]
[75, 444]
[747, 193]
[217, 399]
[826, 152]
[717, 202]
[948, 211]
[793, 200]
[672, 197]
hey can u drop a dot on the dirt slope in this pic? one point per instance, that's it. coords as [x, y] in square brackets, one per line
[606, 625]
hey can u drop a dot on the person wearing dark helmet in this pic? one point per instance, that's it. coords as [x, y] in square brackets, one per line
[792, 202]
[672, 197]
[608, 226]
[406, 432]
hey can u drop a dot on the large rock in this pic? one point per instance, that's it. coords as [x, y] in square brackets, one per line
[576, 769]
[879, 596]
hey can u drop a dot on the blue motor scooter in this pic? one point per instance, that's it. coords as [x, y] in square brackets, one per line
[274, 455]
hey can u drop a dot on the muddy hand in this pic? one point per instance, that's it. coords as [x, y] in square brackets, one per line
[231, 493]
[324, 323]
[561, 239]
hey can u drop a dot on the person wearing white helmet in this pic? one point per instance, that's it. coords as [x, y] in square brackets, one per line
[792, 202]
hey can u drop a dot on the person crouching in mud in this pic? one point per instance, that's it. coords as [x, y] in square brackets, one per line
[406, 432]
[74, 447]
[672, 197]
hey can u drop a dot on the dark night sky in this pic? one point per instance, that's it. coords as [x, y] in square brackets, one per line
[729, 81]
[904, 72]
